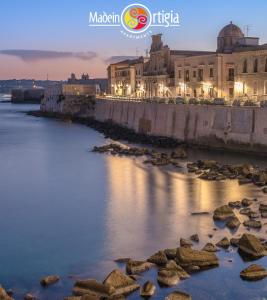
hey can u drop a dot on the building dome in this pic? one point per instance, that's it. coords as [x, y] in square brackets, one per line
[231, 30]
[228, 38]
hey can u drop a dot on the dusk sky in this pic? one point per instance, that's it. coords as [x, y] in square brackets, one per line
[59, 30]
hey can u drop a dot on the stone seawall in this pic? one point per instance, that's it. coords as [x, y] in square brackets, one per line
[239, 128]
[236, 128]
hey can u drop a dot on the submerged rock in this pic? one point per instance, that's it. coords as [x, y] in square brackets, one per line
[137, 267]
[148, 289]
[187, 257]
[48, 280]
[122, 283]
[29, 297]
[158, 258]
[253, 272]
[178, 295]
[251, 247]
[223, 212]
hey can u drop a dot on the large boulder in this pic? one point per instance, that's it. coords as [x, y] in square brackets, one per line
[122, 283]
[187, 257]
[158, 258]
[92, 288]
[253, 272]
[223, 212]
[178, 295]
[137, 267]
[148, 289]
[251, 247]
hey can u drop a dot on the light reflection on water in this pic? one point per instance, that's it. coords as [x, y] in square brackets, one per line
[69, 211]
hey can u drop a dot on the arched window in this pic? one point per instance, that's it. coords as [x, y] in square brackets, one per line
[245, 66]
[265, 65]
[255, 68]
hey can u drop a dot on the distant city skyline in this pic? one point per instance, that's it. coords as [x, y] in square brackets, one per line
[52, 38]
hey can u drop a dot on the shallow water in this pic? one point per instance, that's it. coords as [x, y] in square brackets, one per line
[69, 211]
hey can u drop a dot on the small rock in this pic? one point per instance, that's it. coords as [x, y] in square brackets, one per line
[137, 267]
[92, 287]
[185, 243]
[209, 247]
[158, 258]
[234, 242]
[264, 214]
[178, 295]
[263, 207]
[246, 202]
[224, 243]
[122, 283]
[122, 260]
[252, 224]
[170, 253]
[196, 213]
[245, 211]
[253, 272]
[244, 181]
[235, 204]
[48, 280]
[172, 266]
[233, 223]
[148, 289]
[222, 213]
[194, 238]
[29, 297]
[264, 190]
[168, 277]
[254, 215]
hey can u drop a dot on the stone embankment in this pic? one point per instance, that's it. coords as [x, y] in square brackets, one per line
[212, 126]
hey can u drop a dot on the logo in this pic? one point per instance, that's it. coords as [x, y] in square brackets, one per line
[136, 18]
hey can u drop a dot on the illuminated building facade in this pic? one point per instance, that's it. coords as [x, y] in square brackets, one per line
[237, 70]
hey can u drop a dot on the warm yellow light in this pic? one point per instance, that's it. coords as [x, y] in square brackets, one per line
[239, 86]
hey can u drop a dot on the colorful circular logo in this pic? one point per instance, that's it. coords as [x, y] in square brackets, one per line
[136, 18]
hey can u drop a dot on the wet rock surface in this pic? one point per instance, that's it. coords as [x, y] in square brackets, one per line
[178, 295]
[48, 280]
[4, 295]
[158, 258]
[148, 289]
[253, 272]
[187, 257]
[251, 247]
[137, 267]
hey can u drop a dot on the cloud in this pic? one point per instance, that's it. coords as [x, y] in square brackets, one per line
[115, 59]
[37, 55]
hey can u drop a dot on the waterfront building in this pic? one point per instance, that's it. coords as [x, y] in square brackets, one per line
[237, 70]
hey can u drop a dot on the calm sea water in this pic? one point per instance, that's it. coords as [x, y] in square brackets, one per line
[68, 211]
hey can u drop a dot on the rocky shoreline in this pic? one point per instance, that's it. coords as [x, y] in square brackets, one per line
[181, 262]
